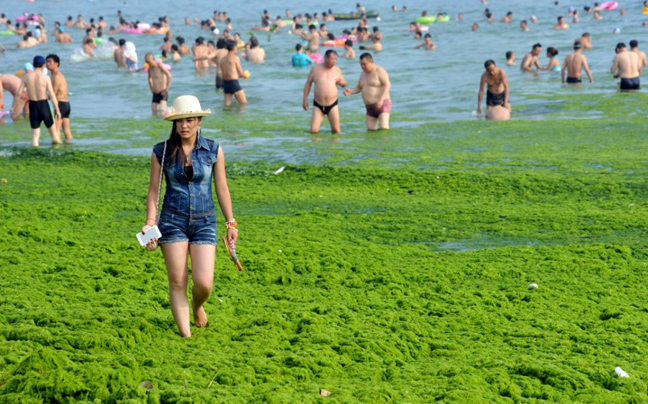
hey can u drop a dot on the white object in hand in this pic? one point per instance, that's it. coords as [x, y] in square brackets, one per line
[620, 372]
[151, 233]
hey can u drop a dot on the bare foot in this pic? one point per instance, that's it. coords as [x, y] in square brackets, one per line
[200, 317]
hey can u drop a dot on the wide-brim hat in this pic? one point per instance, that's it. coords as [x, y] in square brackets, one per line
[185, 106]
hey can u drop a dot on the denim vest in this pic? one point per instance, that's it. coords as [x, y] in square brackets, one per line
[189, 197]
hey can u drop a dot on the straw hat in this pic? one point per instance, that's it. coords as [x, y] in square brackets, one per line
[185, 106]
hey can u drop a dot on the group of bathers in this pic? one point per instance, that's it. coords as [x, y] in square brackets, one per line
[39, 111]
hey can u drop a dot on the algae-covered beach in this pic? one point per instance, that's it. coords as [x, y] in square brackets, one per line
[392, 267]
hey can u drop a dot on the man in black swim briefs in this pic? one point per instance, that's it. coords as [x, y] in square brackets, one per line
[231, 71]
[326, 77]
[39, 89]
[573, 65]
[497, 91]
[627, 66]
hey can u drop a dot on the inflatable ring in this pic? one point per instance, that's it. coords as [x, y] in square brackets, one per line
[7, 32]
[609, 5]
[445, 18]
[426, 20]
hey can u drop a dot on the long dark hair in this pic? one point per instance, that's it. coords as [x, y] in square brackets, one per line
[174, 145]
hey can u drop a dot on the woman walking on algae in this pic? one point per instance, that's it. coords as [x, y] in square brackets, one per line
[188, 222]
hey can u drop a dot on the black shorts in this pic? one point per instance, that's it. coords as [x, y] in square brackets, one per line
[494, 99]
[574, 80]
[65, 109]
[231, 86]
[39, 111]
[219, 82]
[630, 84]
[157, 97]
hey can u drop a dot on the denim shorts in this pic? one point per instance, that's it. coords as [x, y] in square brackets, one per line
[177, 228]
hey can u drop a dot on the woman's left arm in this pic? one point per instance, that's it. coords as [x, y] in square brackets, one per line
[223, 194]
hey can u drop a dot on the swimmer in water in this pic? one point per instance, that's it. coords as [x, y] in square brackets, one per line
[575, 20]
[508, 18]
[253, 52]
[349, 52]
[88, 47]
[634, 47]
[313, 39]
[231, 69]
[427, 43]
[531, 59]
[326, 77]
[554, 63]
[159, 81]
[59, 84]
[510, 58]
[523, 26]
[561, 25]
[573, 64]
[374, 85]
[299, 59]
[474, 27]
[585, 40]
[627, 66]
[497, 88]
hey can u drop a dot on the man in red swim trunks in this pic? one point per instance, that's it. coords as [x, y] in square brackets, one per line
[374, 85]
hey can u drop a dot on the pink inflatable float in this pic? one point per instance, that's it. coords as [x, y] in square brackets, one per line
[609, 5]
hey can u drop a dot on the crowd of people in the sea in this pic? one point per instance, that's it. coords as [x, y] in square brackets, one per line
[218, 47]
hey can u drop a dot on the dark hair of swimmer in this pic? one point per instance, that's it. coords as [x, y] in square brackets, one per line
[200, 40]
[560, 18]
[537, 46]
[427, 35]
[54, 58]
[180, 40]
[69, 18]
[375, 29]
[509, 54]
[509, 13]
[221, 43]
[311, 27]
[586, 34]
[634, 43]
[211, 43]
[552, 51]
[89, 30]
[587, 8]
[366, 56]
[231, 45]
[174, 47]
[348, 42]
[489, 62]
[330, 36]
[329, 53]
[122, 42]
[298, 47]
[346, 32]
[254, 42]
[620, 45]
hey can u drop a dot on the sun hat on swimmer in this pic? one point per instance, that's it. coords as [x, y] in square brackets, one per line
[186, 106]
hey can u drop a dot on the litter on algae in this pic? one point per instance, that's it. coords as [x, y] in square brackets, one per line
[370, 283]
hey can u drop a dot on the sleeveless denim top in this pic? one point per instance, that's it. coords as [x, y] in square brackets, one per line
[184, 196]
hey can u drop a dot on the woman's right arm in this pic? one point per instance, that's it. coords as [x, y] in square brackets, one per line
[153, 194]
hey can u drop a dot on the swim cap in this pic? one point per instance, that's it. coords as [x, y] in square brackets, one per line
[39, 61]
[617, 30]
[29, 67]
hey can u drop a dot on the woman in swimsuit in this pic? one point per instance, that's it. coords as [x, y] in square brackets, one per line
[554, 63]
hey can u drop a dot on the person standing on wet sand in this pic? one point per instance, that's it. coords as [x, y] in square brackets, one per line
[497, 88]
[231, 70]
[326, 77]
[159, 81]
[187, 222]
[59, 84]
[39, 89]
[374, 85]
[627, 66]
[573, 64]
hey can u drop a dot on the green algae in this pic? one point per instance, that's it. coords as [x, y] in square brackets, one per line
[395, 270]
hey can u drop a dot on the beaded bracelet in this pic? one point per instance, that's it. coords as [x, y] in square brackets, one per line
[231, 224]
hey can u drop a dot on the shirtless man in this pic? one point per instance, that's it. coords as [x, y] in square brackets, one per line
[88, 47]
[573, 64]
[627, 66]
[508, 18]
[313, 39]
[510, 58]
[11, 83]
[427, 43]
[59, 84]
[531, 59]
[634, 47]
[39, 88]
[326, 78]
[215, 57]
[62, 36]
[25, 42]
[159, 80]
[349, 52]
[230, 66]
[585, 40]
[377, 45]
[523, 26]
[118, 54]
[375, 85]
[561, 25]
[80, 23]
[497, 90]
[199, 51]
[253, 52]
[182, 47]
